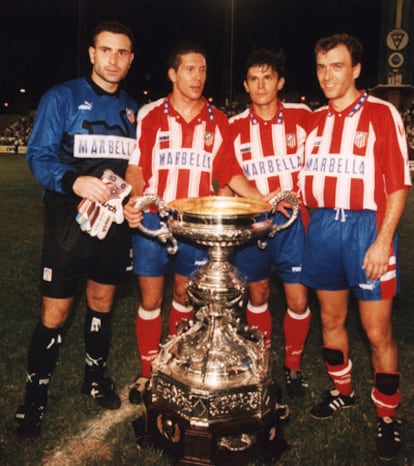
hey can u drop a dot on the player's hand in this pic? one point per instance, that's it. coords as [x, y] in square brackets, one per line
[376, 261]
[132, 214]
[96, 218]
[284, 207]
[92, 188]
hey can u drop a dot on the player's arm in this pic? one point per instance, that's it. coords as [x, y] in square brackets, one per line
[394, 160]
[135, 178]
[225, 191]
[242, 187]
[45, 144]
[377, 256]
[134, 173]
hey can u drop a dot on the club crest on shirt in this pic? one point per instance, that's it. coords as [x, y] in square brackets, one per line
[291, 140]
[361, 138]
[130, 115]
[209, 138]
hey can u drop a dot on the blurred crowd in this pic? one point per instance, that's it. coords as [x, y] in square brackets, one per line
[408, 117]
[18, 132]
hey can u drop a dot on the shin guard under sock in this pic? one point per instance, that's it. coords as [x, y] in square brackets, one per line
[339, 368]
[385, 394]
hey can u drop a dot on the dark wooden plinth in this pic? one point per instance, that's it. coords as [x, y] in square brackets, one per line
[191, 445]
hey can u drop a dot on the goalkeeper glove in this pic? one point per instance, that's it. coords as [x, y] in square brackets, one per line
[96, 218]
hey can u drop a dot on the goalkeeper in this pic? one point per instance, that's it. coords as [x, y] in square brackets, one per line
[82, 138]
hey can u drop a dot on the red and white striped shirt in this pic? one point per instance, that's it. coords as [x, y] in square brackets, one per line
[271, 152]
[181, 159]
[355, 158]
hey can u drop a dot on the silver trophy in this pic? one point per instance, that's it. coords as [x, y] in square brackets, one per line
[212, 394]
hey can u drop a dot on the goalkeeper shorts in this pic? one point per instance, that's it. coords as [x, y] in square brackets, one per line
[69, 254]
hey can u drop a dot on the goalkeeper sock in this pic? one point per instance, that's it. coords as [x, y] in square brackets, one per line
[97, 336]
[42, 358]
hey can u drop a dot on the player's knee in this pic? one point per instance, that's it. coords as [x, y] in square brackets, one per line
[259, 294]
[379, 338]
[298, 305]
[151, 303]
[180, 294]
[331, 322]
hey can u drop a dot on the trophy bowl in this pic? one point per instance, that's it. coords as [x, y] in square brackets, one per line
[220, 220]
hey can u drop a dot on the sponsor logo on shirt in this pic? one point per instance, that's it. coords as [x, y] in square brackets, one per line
[336, 165]
[184, 159]
[102, 146]
[271, 166]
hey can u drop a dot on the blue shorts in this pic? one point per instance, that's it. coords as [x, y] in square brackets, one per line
[335, 246]
[151, 258]
[284, 252]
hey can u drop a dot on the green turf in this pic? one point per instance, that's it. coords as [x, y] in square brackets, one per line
[346, 440]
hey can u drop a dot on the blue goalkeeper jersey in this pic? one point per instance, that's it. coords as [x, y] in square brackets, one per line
[80, 129]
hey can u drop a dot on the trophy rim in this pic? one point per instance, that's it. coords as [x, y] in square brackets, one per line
[218, 209]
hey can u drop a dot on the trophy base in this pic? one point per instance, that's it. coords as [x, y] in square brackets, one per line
[223, 443]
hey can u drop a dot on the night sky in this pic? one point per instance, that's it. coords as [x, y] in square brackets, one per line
[45, 41]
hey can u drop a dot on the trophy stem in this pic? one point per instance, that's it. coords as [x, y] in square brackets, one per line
[219, 254]
[217, 284]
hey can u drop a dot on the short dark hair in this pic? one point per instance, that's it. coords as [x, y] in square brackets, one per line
[351, 43]
[275, 60]
[183, 48]
[114, 27]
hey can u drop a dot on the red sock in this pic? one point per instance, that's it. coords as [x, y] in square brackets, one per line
[386, 395]
[296, 329]
[259, 317]
[178, 313]
[148, 329]
[339, 368]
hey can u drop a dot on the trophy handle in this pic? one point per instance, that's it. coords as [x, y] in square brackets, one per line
[274, 202]
[162, 233]
[293, 200]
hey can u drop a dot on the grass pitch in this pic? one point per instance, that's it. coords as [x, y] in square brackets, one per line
[77, 432]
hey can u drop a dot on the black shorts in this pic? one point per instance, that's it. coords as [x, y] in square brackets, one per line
[69, 254]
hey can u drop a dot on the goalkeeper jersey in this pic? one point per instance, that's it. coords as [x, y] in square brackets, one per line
[80, 129]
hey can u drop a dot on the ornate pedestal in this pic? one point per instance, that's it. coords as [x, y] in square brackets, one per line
[212, 398]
